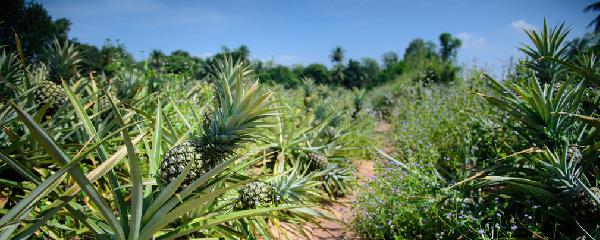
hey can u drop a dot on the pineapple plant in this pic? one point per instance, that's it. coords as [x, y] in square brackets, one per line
[239, 106]
[62, 62]
[358, 98]
[256, 194]
[308, 87]
[332, 129]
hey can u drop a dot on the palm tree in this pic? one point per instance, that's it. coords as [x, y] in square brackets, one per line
[157, 58]
[337, 55]
[596, 22]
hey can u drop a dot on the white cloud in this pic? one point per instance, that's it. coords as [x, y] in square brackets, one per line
[473, 42]
[288, 59]
[206, 54]
[521, 25]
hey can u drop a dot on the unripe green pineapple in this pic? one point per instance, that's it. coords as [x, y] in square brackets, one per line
[239, 106]
[176, 159]
[316, 161]
[106, 106]
[47, 92]
[256, 194]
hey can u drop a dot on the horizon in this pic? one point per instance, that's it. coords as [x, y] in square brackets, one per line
[304, 33]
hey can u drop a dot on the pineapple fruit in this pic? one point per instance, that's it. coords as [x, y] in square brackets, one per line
[239, 106]
[256, 194]
[47, 92]
[316, 161]
[583, 206]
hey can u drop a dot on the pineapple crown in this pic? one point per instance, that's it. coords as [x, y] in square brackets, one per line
[561, 170]
[239, 105]
[358, 97]
[10, 74]
[63, 60]
[308, 86]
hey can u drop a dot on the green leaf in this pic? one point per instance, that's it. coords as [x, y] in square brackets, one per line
[91, 131]
[137, 198]
[200, 223]
[58, 155]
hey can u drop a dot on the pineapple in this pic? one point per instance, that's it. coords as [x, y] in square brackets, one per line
[332, 129]
[47, 92]
[177, 158]
[584, 206]
[239, 105]
[62, 61]
[308, 90]
[106, 106]
[316, 161]
[255, 194]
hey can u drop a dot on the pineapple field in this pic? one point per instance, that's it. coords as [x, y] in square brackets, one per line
[95, 144]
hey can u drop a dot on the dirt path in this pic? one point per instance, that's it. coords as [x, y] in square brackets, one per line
[343, 209]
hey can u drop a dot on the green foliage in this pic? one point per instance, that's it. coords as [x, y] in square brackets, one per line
[318, 72]
[280, 75]
[548, 43]
[418, 52]
[448, 47]
[32, 23]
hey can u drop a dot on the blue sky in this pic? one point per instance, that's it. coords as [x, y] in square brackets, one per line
[303, 32]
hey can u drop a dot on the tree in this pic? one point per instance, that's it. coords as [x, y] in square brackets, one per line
[370, 70]
[354, 75]
[280, 75]
[32, 23]
[62, 26]
[389, 59]
[448, 46]
[157, 59]
[337, 55]
[418, 52]
[338, 74]
[91, 57]
[596, 22]
[115, 57]
[318, 72]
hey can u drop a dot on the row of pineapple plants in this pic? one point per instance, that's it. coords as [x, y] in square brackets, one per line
[143, 154]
